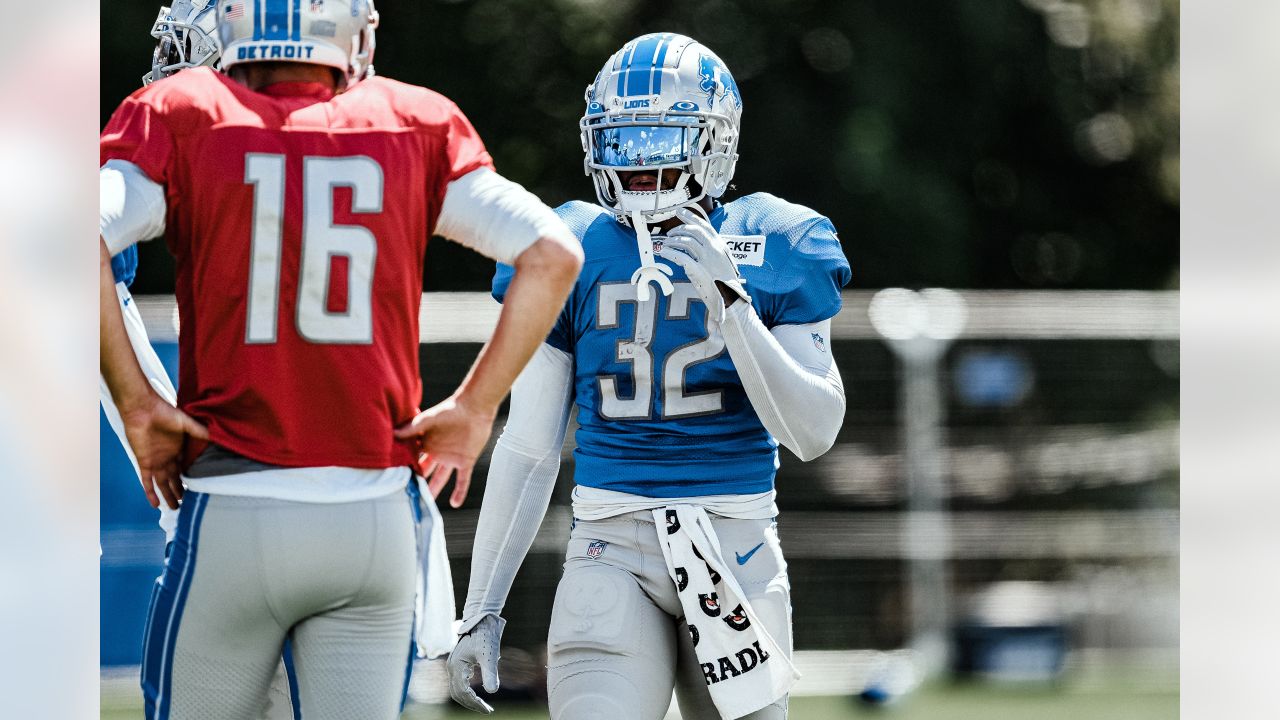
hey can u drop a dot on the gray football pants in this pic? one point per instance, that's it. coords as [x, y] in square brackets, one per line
[244, 573]
[618, 646]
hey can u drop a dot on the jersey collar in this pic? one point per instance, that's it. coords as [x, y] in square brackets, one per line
[316, 90]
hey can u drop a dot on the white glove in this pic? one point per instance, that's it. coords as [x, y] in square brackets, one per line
[479, 647]
[697, 248]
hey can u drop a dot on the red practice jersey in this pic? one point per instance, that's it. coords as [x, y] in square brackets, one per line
[299, 220]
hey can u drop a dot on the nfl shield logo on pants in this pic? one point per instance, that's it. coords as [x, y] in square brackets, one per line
[596, 548]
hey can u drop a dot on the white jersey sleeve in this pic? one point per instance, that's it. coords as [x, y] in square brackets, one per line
[495, 216]
[522, 476]
[131, 206]
[790, 378]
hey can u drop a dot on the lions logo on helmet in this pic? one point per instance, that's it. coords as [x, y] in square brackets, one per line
[737, 619]
[337, 34]
[716, 80]
[664, 101]
[710, 604]
[188, 37]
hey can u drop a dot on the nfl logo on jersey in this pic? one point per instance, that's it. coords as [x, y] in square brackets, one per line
[819, 342]
[596, 548]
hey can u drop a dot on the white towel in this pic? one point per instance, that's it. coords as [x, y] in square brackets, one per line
[154, 370]
[434, 616]
[744, 667]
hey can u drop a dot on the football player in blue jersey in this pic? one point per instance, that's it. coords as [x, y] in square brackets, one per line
[694, 343]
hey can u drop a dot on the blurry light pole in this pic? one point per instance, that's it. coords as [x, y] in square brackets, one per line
[919, 327]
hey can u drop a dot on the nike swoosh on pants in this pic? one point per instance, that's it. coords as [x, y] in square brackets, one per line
[742, 559]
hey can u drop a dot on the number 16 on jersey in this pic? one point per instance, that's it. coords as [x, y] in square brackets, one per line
[322, 240]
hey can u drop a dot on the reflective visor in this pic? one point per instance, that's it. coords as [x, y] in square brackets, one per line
[640, 145]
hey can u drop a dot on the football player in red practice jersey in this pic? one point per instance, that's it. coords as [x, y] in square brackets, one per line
[297, 193]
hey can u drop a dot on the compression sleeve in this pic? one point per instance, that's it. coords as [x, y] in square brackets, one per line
[522, 475]
[131, 206]
[790, 378]
[495, 216]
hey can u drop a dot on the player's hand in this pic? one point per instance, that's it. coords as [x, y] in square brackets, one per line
[697, 248]
[156, 431]
[453, 434]
[478, 648]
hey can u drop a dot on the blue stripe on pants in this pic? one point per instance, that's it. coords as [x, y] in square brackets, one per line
[291, 674]
[408, 671]
[165, 615]
[415, 498]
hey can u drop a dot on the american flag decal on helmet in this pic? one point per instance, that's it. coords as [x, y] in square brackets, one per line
[233, 11]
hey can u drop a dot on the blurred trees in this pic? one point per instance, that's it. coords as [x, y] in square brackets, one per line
[970, 143]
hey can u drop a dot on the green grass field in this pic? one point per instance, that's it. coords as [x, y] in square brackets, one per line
[941, 702]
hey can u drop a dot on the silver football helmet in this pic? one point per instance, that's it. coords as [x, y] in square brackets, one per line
[662, 101]
[337, 33]
[188, 37]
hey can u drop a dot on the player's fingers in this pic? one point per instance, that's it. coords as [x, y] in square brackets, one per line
[166, 481]
[148, 486]
[691, 249]
[414, 427]
[682, 259]
[429, 466]
[176, 485]
[460, 487]
[692, 218]
[467, 698]
[690, 240]
[193, 428]
[489, 674]
[439, 478]
[695, 271]
[694, 226]
[460, 687]
[697, 233]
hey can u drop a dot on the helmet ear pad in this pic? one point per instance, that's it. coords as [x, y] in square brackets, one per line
[697, 164]
[715, 162]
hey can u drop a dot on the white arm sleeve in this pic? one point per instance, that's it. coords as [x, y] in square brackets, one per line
[496, 217]
[790, 378]
[522, 475]
[131, 206]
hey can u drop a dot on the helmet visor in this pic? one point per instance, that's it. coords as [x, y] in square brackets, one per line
[642, 145]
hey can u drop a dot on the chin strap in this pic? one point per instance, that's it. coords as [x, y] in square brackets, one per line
[649, 270]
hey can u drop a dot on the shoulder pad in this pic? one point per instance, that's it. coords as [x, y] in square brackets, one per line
[580, 216]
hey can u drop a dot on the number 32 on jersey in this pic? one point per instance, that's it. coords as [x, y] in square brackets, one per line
[677, 400]
[322, 240]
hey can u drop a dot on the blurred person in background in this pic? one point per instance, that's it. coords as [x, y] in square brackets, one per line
[186, 35]
[297, 193]
[674, 577]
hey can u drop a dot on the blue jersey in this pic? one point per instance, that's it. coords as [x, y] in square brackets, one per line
[125, 264]
[661, 409]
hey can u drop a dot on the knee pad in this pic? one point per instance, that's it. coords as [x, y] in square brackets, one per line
[594, 607]
[589, 699]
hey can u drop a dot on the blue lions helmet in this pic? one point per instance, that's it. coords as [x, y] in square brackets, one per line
[187, 35]
[662, 101]
[336, 33]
